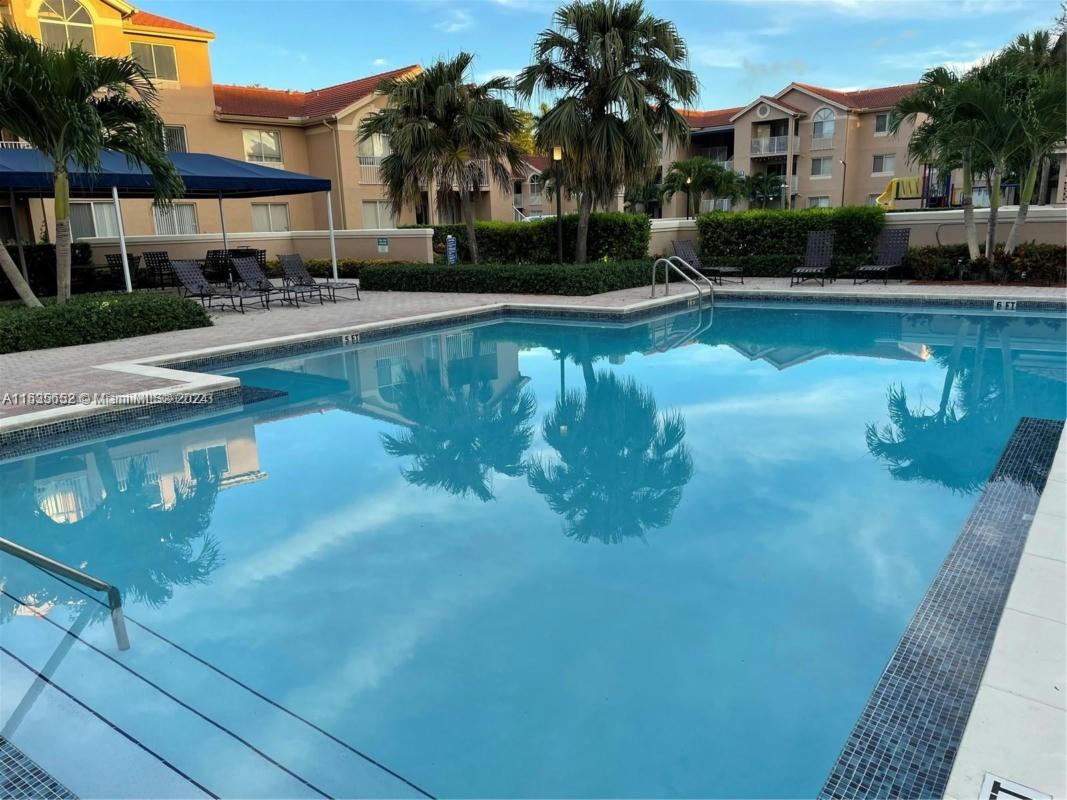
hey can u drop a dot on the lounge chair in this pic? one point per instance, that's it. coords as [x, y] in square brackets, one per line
[296, 274]
[684, 250]
[818, 260]
[256, 280]
[217, 267]
[114, 267]
[892, 247]
[157, 264]
[192, 283]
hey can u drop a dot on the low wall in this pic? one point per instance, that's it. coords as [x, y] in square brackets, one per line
[401, 244]
[1044, 224]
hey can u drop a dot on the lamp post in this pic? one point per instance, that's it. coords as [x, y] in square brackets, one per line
[557, 162]
[785, 194]
[688, 183]
[844, 170]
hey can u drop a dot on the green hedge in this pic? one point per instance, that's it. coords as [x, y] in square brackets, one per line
[41, 266]
[566, 279]
[772, 242]
[613, 236]
[347, 268]
[1031, 262]
[96, 318]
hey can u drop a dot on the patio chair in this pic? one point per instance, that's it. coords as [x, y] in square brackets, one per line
[192, 283]
[256, 280]
[892, 247]
[818, 260]
[296, 274]
[685, 250]
[114, 267]
[217, 267]
[157, 265]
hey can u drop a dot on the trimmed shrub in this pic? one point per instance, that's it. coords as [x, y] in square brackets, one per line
[347, 268]
[613, 236]
[566, 279]
[1031, 262]
[97, 318]
[772, 242]
[41, 266]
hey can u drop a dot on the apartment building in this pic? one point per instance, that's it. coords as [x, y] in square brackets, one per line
[828, 147]
[313, 132]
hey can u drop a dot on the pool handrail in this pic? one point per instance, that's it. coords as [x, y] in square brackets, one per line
[669, 265]
[700, 275]
[114, 598]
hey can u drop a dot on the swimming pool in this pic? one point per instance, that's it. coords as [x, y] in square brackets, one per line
[516, 558]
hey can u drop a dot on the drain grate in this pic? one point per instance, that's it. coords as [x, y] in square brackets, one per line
[22, 779]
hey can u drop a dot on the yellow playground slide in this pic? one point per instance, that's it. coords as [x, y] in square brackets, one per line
[909, 188]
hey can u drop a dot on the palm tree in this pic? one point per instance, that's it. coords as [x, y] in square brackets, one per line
[618, 72]
[460, 434]
[71, 104]
[439, 126]
[622, 464]
[640, 199]
[691, 176]
[761, 188]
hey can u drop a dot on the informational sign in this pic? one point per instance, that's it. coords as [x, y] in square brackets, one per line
[383, 245]
[450, 249]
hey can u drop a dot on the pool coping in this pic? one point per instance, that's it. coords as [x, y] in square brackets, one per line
[906, 740]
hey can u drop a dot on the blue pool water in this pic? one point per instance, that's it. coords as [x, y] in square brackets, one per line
[521, 558]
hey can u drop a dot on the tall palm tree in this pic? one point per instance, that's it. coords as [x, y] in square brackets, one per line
[71, 104]
[621, 464]
[762, 188]
[440, 125]
[693, 176]
[618, 72]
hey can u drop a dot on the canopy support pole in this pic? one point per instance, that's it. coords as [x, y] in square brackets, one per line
[122, 239]
[333, 242]
[18, 235]
[222, 219]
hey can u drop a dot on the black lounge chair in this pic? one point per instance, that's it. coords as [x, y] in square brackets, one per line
[892, 247]
[255, 280]
[192, 283]
[818, 260]
[217, 267]
[114, 267]
[157, 264]
[684, 250]
[296, 274]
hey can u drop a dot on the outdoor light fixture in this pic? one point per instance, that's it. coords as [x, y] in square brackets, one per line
[557, 153]
[557, 158]
[688, 181]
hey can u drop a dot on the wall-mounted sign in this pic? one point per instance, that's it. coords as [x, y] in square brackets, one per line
[383, 245]
[450, 249]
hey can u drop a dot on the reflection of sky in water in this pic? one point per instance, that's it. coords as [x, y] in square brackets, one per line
[476, 649]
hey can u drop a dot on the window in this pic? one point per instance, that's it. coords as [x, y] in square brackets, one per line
[823, 127]
[373, 150]
[209, 460]
[158, 60]
[93, 219]
[178, 219]
[174, 139]
[881, 123]
[263, 147]
[872, 199]
[819, 202]
[821, 167]
[884, 164]
[66, 22]
[377, 214]
[270, 217]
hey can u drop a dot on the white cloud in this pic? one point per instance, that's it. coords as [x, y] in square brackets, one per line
[489, 74]
[380, 62]
[455, 21]
[732, 50]
[897, 9]
[960, 57]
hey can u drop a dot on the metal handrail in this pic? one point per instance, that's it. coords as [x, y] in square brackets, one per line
[667, 279]
[114, 598]
[700, 275]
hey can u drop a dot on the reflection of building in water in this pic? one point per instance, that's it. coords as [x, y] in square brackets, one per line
[68, 487]
[783, 357]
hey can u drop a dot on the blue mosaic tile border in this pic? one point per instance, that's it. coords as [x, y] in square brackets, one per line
[906, 738]
[984, 304]
[22, 779]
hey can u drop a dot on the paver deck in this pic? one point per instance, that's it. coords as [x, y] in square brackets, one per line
[77, 369]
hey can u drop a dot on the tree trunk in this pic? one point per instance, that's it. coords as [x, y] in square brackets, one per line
[468, 219]
[581, 240]
[1042, 184]
[1026, 192]
[994, 208]
[14, 275]
[969, 227]
[63, 237]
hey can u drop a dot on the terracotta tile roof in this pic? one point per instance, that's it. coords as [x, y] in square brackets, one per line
[147, 20]
[879, 97]
[253, 101]
[783, 104]
[710, 119]
[537, 163]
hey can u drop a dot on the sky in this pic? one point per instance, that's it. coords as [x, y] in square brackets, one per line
[739, 49]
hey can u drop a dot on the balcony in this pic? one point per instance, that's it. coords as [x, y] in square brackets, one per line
[17, 145]
[369, 169]
[822, 142]
[774, 145]
[536, 199]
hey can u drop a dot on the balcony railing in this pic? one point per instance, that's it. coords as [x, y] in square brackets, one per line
[773, 145]
[19, 145]
[536, 199]
[822, 142]
[369, 170]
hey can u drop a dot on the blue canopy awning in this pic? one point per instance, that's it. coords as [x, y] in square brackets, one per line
[29, 173]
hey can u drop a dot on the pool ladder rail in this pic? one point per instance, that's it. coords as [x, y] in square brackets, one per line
[114, 598]
[685, 270]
